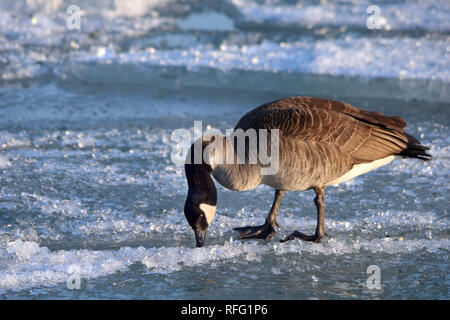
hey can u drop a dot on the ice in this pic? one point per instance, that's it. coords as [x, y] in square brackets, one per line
[207, 21]
[110, 7]
[367, 58]
[429, 15]
[406, 71]
[29, 265]
[4, 162]
[31, 30]
[7, 140]
[114, 41]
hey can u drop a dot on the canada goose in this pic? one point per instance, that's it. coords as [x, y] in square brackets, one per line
[321, 143]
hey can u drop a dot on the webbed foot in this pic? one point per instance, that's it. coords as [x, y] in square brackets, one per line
[296, 234]
[265, 231]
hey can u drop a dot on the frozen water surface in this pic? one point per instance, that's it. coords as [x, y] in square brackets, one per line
[86, 178]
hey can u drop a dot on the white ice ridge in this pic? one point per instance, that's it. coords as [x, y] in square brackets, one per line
[27, 265]
[109, 8]
[423, 15]
[401, 58]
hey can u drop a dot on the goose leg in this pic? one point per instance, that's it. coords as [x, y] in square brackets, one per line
[267, 230]
[320, 228]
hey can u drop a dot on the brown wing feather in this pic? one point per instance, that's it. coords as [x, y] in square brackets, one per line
[363, 135]
[372, 117]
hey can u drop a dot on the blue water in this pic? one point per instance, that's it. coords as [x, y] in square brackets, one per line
[88, 189]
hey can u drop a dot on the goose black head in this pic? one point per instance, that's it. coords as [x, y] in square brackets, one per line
[201, 200]
[199, 211]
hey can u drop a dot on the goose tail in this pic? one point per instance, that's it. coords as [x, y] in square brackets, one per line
[415, 149]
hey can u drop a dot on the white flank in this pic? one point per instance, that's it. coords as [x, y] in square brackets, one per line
[209, 211]
[361, 169]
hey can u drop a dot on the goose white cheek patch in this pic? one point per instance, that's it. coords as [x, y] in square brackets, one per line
[209, 211]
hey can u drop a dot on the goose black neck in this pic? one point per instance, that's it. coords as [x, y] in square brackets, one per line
[198, 175]
[200, 182]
